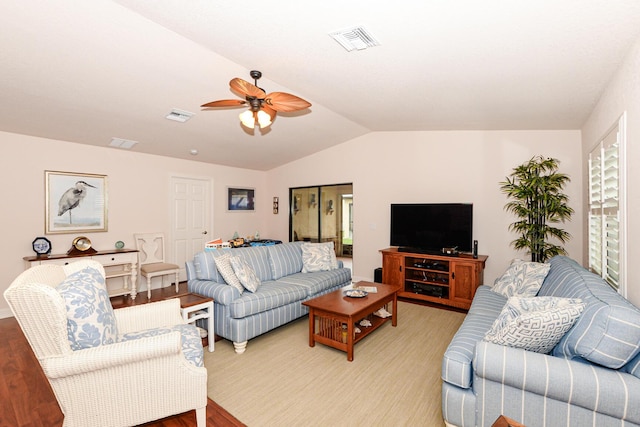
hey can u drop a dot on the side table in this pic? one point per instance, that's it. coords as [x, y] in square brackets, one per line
[195, 307]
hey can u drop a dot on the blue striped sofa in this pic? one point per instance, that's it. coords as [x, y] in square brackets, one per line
[591, 378]
[283, 287]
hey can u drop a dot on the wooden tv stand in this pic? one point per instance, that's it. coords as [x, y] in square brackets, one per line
[441, 279]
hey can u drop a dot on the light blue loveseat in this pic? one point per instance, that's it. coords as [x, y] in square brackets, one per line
[591, 378]
[278, 299]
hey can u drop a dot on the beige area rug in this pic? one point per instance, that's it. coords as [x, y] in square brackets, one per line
[394, 379]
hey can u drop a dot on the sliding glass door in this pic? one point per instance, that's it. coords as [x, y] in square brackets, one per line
[323, 214]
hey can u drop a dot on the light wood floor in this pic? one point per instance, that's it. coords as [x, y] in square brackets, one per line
[26, 399]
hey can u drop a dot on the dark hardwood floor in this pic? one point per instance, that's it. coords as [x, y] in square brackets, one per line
[26, 399]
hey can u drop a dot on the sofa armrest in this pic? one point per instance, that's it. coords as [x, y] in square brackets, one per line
[220, 292]
[591, 387]
[148, 316]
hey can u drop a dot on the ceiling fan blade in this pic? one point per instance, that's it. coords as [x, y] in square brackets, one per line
[225, 103]
[285, 102]
[270, 111]
[246, 89]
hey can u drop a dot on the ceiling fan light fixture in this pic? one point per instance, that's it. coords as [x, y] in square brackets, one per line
[247, 119]
[263, 106]
[264, 119]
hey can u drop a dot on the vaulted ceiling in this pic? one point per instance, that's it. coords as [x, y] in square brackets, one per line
[88, 71]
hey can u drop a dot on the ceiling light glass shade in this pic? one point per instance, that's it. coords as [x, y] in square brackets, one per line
[247, 119]
[264, 119]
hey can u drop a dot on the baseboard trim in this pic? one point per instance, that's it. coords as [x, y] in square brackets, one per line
[356, 279]
[5, 313]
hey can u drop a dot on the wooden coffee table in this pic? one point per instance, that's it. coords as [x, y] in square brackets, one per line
[333, 317]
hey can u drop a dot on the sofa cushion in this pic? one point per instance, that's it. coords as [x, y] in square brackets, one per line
[225, 268]
[456, 363]
[285, 259]
[245, 273]
[522, 279]
[270, 294]
[534, 323]
[90, 318]
[205, 265]
[190, 339]
[258, 258]
[633, 366]
[317, 282]
[608, 331]
[318, 257]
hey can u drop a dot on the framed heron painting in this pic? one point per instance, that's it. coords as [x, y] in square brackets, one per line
[75, 202]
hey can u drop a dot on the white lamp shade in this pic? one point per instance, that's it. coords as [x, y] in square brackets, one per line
[247, 119]
[264, 119]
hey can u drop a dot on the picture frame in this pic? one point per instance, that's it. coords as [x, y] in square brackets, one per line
[241, 199]
[75, 202]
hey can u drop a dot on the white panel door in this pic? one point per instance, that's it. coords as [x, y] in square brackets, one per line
[190, 218]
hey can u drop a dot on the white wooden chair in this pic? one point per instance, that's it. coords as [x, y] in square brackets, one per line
[152, 258]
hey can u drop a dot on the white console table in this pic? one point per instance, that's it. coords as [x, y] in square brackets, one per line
[118, 263]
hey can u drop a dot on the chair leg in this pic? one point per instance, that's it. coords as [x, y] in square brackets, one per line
[177, 283]
[201, 417]
[148, 287]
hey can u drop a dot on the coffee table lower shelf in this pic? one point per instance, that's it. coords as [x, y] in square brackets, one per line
[334, 317]
[332, 335]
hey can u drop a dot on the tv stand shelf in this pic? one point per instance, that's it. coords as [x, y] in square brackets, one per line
[442, 279]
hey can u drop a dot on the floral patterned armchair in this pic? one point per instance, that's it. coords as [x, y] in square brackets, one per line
[108, 367]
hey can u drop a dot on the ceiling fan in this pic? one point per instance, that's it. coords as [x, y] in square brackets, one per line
[263, 107]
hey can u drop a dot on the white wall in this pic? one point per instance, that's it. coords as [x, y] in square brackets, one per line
[446, 166]
[622, 94]
[138, 196]
[387, 167]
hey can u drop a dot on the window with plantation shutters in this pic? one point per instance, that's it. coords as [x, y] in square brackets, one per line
[606, 208]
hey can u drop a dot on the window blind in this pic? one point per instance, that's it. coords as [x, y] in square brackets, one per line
[606, 239]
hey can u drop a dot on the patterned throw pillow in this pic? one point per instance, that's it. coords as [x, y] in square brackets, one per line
[226, 270]
[534, 324]
[318, 257]
[90, 318]
[522, 279]
[245, 273]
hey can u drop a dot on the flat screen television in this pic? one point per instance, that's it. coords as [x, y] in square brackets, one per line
[430, 227]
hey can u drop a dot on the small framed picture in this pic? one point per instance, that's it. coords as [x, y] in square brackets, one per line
[75, 202]
[241, 199]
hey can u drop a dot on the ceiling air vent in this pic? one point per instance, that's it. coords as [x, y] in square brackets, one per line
[179, 115]
[122, 143]
[354, 38]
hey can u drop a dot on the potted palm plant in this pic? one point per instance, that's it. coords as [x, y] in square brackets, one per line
[535, 189]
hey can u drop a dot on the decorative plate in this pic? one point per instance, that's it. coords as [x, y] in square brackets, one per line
[119, 244]
[41, 246]
[356, 293]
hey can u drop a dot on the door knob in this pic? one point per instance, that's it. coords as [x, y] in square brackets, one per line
[204, 232]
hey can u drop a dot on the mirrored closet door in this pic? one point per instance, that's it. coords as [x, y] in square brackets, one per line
[323, 214]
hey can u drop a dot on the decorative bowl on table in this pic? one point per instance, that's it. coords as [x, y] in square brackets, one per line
[355, 293]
